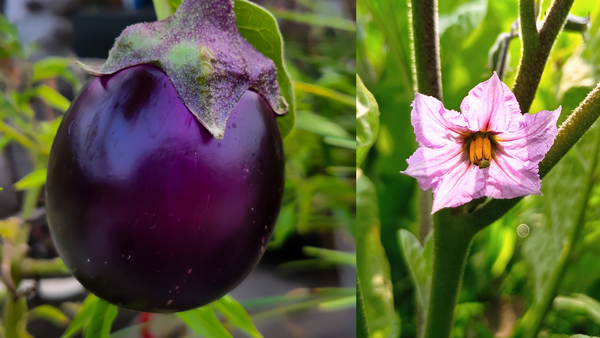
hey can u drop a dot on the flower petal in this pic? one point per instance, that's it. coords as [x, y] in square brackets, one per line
[532, 142]
[510, 177]
[428, 165]
[491, 106]
[460, 185]
[434, 126]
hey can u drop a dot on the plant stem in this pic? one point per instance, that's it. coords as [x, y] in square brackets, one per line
[536, 47]
[427, 76]
[534, 318]
[569, 133]
[162, 8]
[426, 47]
[451, 245]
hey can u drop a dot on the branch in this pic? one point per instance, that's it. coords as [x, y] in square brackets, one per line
[533, 58]
[528, 26]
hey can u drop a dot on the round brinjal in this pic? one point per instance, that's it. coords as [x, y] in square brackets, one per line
[149, 210]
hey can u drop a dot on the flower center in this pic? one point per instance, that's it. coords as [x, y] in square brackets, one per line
[480, 149]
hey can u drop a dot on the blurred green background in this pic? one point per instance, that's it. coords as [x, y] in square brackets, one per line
[509, 261]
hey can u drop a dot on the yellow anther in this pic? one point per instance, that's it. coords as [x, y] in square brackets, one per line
[478, 147]
[487, 148]
[480, 150]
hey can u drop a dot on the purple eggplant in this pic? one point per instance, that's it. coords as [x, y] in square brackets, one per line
[147, 208]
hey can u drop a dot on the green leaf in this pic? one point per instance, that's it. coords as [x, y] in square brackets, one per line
[362, 326]
[414, 255]
[331, 255]
[338, 304]
[367, 121]
[315, 19]
[286, 224]
[165, 8]
[32, 180]
[204, 321]
[53, 67]
[10, 45]
[372, 263]
[340, 142]
[464, 19]
[236, 314]
[326, 93]
[49, 313]
[83, 317]
[260, 28]
[319, 125]
[53, 98]
[101, 321]
[579, 304]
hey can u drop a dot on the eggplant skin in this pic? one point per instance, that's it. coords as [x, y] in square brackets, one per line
[147, 209]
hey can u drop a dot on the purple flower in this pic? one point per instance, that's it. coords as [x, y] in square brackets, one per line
[489, 149]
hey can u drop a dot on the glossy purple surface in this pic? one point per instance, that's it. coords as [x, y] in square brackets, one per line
[148, 210]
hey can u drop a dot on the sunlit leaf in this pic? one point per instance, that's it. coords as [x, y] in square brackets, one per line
[53, 98]
[101, 320]
[580, 304]
[284, 227]
[414, 254]
[367, 120]
[326, 93]
[315, 19]
[32, 180]
[319, 125]
[53, 67]
[83, 317]
[236, 314]
[331, 255]
[49, 313]
[465, 18]
[204, 321]
[340, 142]
[260, 28]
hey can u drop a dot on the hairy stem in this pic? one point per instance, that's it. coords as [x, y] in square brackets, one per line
[426, 47]
[535, 53]
[534, 318]
[451, 246]
[427, 75]
[528, 27]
